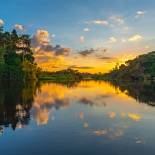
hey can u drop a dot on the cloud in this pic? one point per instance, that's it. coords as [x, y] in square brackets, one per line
[117, 20]
[1, 22]
[40, 42]
[59, 50]
[19, 27]
[40, 38]
[106, 58]
[98, 22]
[112, 115]
[82, 39]
[87, 52]
[135, 38]
[123, 40]
[86, 29]
[93, 50]
[80, 67]
[112, 40]
[134, 117]
[140, 14]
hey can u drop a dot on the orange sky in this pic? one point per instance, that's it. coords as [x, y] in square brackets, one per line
[93, 60]
[82, 64]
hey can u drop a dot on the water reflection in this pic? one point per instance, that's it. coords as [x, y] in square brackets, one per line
[15, 103]
[21, 103]
[143, 92]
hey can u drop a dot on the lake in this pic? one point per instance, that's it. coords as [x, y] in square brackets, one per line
[87, 117]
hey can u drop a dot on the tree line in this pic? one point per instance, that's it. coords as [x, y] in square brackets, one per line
[141, 68]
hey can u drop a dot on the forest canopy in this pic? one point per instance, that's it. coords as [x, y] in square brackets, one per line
[16, 57]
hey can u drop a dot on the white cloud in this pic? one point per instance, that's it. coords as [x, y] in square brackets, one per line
[112, 40]
[98, 22]
[86, 29]
[135, 38]
[41, 37]
[117, 20]
[123, 40]
[140, 14]
[19, 27]
[101, 22]
[1, 22]
[40, 43]
[118, 24]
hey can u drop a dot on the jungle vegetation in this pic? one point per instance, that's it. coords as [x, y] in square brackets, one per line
[16, 57]
[141, 68]
[17, 63]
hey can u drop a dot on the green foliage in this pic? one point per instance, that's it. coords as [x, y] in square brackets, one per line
[65, 75]
[141, 68]
[16, 57]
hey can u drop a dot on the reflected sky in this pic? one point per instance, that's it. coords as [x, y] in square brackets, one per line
[88, 117]
[99, 95]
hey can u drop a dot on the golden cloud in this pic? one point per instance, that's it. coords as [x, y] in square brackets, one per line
[135, 38]
[134, 117]
[112, 40]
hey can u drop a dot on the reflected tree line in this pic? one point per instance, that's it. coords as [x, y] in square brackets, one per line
[16, 99]
[15, 103]
[143, 92]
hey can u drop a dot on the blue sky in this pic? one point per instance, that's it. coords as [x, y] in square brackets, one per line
[121, 26]
[65, 18]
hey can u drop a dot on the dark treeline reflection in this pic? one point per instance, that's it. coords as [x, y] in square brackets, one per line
[17, 99]
[143, 92]
[15, 103]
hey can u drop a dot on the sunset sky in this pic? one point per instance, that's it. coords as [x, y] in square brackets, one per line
[87, 35]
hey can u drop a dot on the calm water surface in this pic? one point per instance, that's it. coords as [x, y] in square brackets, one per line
[77, 119]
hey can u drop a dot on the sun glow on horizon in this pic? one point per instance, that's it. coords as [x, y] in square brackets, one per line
[90, 65]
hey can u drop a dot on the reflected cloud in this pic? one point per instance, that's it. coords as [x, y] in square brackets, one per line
[39, 102]
[81, 115]
[134, 117]
[112, 115]
[100, 132]
[110, 133]
[42, 116]
[123, 115]
[85, 125]
[139, 140]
